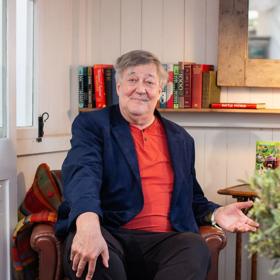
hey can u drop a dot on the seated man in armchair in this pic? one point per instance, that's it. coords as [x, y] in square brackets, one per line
[132, 201]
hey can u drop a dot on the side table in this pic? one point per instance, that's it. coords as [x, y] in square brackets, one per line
[241, 193]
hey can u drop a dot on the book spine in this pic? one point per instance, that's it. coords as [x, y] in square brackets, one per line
[198, 69]
[175, 83]
[181, 85]
[196, 86]
[89, 82]
[234, 106]
[170, 87]
[188, 85]
[206, 90]
[108, 85]
[80, 87]
[85, 86]
[163, 96]
[99, 86]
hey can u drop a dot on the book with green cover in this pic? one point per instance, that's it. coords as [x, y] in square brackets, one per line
[267, 155]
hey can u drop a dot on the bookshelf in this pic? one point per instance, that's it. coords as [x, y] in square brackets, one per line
[191, 110]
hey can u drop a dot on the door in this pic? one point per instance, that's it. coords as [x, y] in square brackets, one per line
[8, 186]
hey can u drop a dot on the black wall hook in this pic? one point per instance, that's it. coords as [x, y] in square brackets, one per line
[41, 120]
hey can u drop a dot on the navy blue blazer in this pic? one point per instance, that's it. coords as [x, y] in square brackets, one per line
[101, 174]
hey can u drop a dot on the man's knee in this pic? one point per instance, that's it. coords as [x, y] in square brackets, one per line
[192, 249]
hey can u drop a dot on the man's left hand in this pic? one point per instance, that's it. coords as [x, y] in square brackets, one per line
[232, 218]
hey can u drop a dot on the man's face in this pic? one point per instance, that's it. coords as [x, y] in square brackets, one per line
[139, 90]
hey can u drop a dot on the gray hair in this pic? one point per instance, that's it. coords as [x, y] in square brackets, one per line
[139, 57]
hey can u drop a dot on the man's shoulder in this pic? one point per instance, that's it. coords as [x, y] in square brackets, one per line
[175, 128]
[95, 117]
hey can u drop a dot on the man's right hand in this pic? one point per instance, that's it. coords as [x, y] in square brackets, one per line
[88, 244]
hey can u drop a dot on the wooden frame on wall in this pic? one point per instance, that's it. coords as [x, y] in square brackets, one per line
[234, 67]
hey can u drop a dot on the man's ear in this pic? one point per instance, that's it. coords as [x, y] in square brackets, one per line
[118, 85]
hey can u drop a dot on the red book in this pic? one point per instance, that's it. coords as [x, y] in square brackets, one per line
[170, 87]
[197, 71]
[99, 84]
[188, 84]
[238, 105]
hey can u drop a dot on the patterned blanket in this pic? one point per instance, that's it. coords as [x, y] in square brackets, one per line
[40, 205]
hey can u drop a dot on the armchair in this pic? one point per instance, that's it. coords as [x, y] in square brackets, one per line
[49, 248]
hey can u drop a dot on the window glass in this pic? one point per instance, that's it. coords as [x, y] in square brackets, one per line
[24, 62]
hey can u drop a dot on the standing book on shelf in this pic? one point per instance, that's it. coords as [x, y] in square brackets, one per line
[99, 84]
[188, 84]
[90, 87]
[170, 86]
[163, 95]
[181, 85]
[197, 72]
[175, 86]
[211, 93]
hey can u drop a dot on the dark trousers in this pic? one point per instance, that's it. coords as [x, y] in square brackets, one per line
[140, 255]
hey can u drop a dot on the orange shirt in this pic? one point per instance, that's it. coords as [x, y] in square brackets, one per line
[156, 177]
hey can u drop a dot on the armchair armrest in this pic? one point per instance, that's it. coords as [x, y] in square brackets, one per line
[216, 240]
[48, 247]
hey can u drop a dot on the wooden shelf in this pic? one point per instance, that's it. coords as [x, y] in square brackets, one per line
[245, 111]
[191, 110]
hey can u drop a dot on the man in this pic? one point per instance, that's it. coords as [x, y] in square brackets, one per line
[132, 202]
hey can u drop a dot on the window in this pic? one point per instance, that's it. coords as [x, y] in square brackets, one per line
[2, 68]
[24, 62]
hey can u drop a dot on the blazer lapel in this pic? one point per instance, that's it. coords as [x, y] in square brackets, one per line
[121, 132]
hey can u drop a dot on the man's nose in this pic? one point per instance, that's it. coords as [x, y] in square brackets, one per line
[140, 88]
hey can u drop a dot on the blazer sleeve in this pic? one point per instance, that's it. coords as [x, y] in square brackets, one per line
[83, 167]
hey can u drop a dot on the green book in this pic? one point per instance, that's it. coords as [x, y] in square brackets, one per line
[211, 93]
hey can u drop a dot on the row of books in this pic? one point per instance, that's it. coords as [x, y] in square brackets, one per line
[96, 86]
[190, 85]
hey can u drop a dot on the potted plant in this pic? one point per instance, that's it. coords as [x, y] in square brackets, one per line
[266, 211]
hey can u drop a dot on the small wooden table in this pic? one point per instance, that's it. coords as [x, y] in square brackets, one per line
[241, 193]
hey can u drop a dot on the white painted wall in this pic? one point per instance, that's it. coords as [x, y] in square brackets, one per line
[72, 32]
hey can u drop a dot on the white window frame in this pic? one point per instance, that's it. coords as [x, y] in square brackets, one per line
[26, 136]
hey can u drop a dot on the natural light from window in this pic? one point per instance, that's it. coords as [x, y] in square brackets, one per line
[24, 63]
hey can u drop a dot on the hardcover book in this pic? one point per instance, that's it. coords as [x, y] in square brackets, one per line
[163, 96]
[181, 85]
[197, 71]
[170, 86]
[211, 93]
[188, 84]
[175, 86]
[238, 105]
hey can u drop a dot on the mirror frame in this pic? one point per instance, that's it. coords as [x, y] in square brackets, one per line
[234, 67]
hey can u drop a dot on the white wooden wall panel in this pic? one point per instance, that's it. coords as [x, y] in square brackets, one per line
[152, 27]
[110, 39]
[195, 37]
[212, 23]
[172, 31]
[131, 27]
[94, 23]
[198, 135]
[53, 57]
